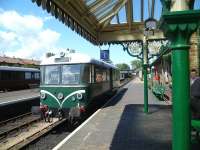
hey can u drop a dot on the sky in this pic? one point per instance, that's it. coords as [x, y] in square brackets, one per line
[27, 31]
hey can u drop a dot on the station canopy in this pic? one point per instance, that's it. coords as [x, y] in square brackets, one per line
[103, 21]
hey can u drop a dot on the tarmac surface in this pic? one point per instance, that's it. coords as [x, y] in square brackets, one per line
[18, 96]
[122, 125]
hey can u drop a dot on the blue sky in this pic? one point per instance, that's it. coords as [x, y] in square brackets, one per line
[28, 31]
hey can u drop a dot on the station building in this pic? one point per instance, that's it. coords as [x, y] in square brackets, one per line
[18, 62]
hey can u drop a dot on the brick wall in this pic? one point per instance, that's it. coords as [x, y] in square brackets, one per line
[194, 54]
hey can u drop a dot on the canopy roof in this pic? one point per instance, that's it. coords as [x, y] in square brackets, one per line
[93, 19]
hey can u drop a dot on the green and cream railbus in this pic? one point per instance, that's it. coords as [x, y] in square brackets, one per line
[71, 81]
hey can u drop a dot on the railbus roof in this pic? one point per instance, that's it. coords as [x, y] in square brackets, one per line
[75, 58]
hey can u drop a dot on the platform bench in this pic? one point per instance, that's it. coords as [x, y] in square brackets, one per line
[196, 125]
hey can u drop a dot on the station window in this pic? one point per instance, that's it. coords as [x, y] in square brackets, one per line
[52, 75]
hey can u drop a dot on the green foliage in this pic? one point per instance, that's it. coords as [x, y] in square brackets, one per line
[123, 66]
[136, 64]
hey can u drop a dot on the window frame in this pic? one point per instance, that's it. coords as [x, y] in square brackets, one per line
[61, 73]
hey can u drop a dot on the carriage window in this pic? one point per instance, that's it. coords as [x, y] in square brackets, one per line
[37, 76]
[52, 75]
[70, 74]
[42, 74]
[27, 75]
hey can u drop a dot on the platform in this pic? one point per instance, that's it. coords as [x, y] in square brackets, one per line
[122, 124]
[18, 96]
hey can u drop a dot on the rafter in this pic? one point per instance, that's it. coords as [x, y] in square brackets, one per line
[113, 11]
[129, 13]
[152, 8]
[142, 10]
[104, 10]
[82, 9]
[67, 1]
[117, 16]
[97, 5]
[76, 16]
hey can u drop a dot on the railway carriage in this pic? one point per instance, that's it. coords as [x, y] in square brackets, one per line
[15, 78]
[70, 82]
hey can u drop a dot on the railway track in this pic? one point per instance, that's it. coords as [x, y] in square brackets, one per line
[17, 132]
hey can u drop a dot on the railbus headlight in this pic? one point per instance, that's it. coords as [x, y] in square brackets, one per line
[42, 95]
[79, 96]
[73, 98]
[60, 96]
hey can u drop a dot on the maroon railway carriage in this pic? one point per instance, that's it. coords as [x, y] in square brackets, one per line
[14, 78]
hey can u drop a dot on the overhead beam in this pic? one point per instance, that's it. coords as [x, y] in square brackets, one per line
[136, 26]
[129, 13]
[126, 35]
[114, 11]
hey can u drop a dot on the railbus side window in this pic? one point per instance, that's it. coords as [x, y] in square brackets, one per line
[86, 74]
[92, 74]
[98, 75]
[101, 74]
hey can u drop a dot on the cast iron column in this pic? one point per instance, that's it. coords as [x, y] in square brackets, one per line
[178, 27]
[145, 64]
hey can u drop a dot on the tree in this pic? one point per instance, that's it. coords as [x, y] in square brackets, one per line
[123, 66]
[136, 64]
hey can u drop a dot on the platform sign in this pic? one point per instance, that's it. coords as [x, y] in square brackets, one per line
[104, 55]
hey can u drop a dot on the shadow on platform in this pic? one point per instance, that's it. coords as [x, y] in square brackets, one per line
[116, 99]
[139, 131]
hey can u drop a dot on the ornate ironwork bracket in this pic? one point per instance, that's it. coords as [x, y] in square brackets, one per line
[134, 48]
[155, 47]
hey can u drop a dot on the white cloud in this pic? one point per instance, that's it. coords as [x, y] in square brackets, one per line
[25, 36]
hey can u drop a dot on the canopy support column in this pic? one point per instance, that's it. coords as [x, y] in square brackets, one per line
[178, 27]
[145, 65]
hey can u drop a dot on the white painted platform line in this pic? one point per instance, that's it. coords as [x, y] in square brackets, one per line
[21, 99]
[83, 124]
[76, 130]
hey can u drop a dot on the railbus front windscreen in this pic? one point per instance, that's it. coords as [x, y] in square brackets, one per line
[68, 74]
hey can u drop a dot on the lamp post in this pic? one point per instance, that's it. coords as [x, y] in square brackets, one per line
[150, 26]
[145, 50]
